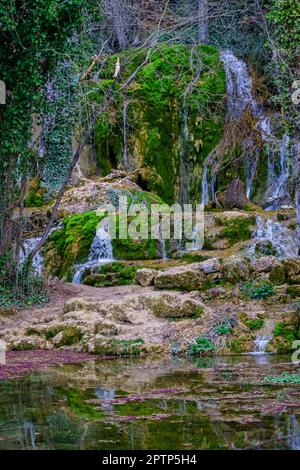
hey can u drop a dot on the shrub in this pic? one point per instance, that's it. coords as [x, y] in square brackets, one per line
[200, 346]
[259, 291]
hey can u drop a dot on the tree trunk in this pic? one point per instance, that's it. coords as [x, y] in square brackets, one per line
[203, 36]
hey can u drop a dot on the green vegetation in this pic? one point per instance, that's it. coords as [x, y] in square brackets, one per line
[155, 102]
[120, 347]
[256, 324]
[112, 274]
[287, 330]
[284, 378]
[201, 346]
[70, 244]
[237, 230]
[261, 290]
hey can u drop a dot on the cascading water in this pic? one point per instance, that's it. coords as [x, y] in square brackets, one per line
[293, 432]
[239, 86]
[283, 240]
[101, 252]
[263, 338]
[28, 246]
[205, 190]
[240, 97]
[279, 153]
[124, 153]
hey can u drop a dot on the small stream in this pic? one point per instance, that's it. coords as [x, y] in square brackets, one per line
[154, 404]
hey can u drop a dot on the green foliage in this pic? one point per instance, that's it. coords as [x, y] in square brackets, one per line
[193, 258]
[20, 289]
[284, 378]
[72, 242]
[258, 291]
[287, 331]
[224, 329]
[284, 16]
[201, 346]
[256, 324]
[112, 274]
[237, 230]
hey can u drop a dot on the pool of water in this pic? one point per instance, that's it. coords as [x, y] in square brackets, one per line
[165, 403]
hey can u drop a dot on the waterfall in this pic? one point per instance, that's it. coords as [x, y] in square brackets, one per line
[240, 97]
[101, 252]
[37, 262]
[184, 166]
[296, 154]
[279, 152]
[205, 191]
[124, 155]
[283, 240]
[239, 86]
[263, 338]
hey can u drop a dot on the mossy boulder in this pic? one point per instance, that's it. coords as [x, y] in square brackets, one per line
[145, 277]
[175, 108]
[278, 276]
[184, 278]
[292, 268]
[166, 306]
[71, 244]
[236, 269]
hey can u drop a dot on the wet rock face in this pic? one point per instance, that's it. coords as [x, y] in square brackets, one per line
[233, 197]
[186, 278]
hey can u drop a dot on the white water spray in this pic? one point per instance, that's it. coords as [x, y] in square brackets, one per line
[283, 240]
[101, 252]
[37, 262]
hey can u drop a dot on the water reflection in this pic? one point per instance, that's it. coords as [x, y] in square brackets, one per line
[166, 403]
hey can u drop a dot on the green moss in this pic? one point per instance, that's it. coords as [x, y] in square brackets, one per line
[293, 291]
[278, 276]
[155, 113]
[131, 249]
[117, 347]
[192, 258]
[71, 335]
[237, 230]
[256, 324]
[258, 290]
[236, 345]
[112, 274]
[34, 194]
[71, 244]
[287, 330]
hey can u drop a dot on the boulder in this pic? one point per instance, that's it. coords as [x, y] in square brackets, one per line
[236, 269]
[292, 269]
[234, 197]
[209, 266]
[265, 264]
[145, 277]
[174, 306]
[184, 278]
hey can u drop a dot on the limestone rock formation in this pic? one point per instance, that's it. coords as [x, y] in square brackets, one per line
[233, 197]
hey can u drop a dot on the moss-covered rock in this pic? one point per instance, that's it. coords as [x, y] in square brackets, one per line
[292, 268]
[184, 278]
[70, 244]
[175, 109]
[236, 269]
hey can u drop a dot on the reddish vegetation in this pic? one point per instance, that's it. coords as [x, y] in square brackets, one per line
[22, 362]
